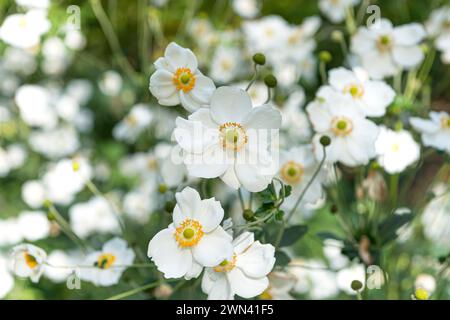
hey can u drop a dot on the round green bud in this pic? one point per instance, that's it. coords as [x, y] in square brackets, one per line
[169, 206]
[163, 188]
[51, 216]
[334, 209]
[270, 81]
[356, 285]
[325, 56]
[325, 141]
[337, 35]
[248, 214]
[259, 58]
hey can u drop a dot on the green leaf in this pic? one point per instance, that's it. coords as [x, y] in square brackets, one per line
[293, 234]
[282, 259]
[328, 235]
[387, 229]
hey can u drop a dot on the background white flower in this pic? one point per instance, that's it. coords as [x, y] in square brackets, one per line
[435, 131]
[384, 50]
[178, 80]
[27, 260]
[194, 240]
[396, 150]
[244, 274]
[230, 140]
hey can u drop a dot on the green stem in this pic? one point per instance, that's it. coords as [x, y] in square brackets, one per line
[302, 195]
[241, 199]
[112, 39]
[65, 227]
[139, 289]
[393, 189]
[255, 76]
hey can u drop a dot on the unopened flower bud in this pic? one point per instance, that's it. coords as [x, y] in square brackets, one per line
[325, 141]
[356, 285]
[421, 294]
[325, 56]
[51, 216]
[169, 206]
[337, 35]
[162, 188]
[163, 291]
[248, 214]
[259, 58]
[270, 81]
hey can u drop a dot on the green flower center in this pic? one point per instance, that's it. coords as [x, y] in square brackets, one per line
[188, 233]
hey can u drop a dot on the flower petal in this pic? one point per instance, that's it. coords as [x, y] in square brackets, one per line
[210, 215]
[188, 202]
[245, 286]
[409, 34]
[168, 257]
[263, 117]
[179, 57]
[213, 248]
[257, 261]
[407, 57]
[230, 104]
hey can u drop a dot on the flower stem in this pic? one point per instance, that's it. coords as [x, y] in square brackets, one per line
[255, 76]
[139, 289]
[394, 189]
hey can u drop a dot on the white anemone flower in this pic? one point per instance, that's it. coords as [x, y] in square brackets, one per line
[25, 30]
[246, 8]
[137, 120]
[194, 240]
[7, 282]
[372, 96]
[225, 64]
[352, 135]
[280, 284]
[27, 260]
[396, 150]
[438, 26]
[178, 80]
[435, 131]
[384, 50]
[230, 140]
[297, 166]
[336, 10]
[244, 274]
[344, 277]
[107, 264]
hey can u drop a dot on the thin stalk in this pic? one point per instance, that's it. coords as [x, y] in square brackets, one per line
[393, 189]
[139, 289]
[255, 76]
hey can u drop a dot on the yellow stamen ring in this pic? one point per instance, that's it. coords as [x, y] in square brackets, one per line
[189, 233]
[355, 90]
[292, 172]
[184, 79]
[233, 136]
[30, 260]
[105, 260]
[341, 126]
[225, 265]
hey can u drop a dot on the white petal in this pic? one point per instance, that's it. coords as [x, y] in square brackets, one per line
[194, 271]
[193, 136]
[230, 104]
[319, 116]
[244, 286]
[188, 202]
[210, 215]
[258, 260]
[379, 65]
[263, 117]
[407, 57]
[163, 64]
[211, 163]
[216, 286]
[179, 57]
[425, 126]
[213, 248]
[230, 178]
[204, 116]
[172, 100]
[339, 78]
[243, 242]
[203, 90]
[409, 34]
[168, 257]
[377, 97]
